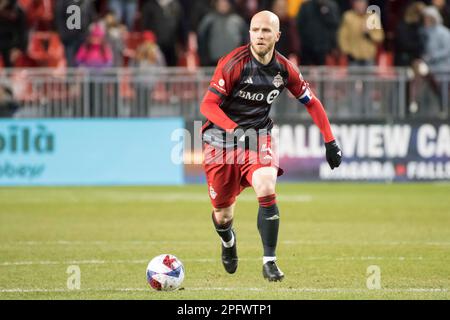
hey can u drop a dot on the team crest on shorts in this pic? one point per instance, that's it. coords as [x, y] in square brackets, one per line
[212, 193]
[264, 148]
[278, 80]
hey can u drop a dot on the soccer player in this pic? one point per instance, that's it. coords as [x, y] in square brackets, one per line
[238, 150]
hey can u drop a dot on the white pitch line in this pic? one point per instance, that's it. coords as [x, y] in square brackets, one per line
[367, 243]
[154, 197]
[175, 242]
[203, 260]
[73, 262]
[100, 242]
[311, 290]
[338, 290]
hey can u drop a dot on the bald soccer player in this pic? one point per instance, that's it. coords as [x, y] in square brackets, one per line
[237, 146]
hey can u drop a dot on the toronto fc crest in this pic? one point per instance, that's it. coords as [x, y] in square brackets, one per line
[212, 193]
[278, 80]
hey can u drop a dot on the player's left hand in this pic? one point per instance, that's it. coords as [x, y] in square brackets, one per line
[333, 154]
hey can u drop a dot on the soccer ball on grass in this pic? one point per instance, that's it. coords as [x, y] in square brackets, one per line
[165, 273]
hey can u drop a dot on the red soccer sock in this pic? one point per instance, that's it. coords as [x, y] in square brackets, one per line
[267, 201]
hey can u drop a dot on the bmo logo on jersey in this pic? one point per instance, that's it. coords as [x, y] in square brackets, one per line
[255, 96]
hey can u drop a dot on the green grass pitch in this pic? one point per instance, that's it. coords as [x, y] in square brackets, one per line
[329, 235]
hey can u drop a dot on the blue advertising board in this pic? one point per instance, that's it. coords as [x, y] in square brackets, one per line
[88, 152]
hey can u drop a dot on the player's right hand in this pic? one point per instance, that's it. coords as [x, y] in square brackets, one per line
[333, 154]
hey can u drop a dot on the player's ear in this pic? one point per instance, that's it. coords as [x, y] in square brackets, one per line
[277, 38]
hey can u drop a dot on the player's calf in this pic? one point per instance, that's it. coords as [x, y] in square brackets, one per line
[228, 238]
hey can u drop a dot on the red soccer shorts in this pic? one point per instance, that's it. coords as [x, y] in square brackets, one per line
[229, 171]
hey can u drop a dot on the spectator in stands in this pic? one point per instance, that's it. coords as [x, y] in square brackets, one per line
[289, 43]
[409, 48]
[73, 38]
[436, 56]
[444, 9]
[96, 52]
[360, 34]
[247, 8]
[437, 45]
[195, 11]
[409, 38]
[220, 32]
[125, 11]
[8, 105]
[13, 31]
[39, 14]
[165, 19]
[317, 22]
[345, 5]
[115, 37]
[148, 56]
[265, 4]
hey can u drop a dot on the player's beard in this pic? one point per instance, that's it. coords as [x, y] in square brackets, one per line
[264, 51]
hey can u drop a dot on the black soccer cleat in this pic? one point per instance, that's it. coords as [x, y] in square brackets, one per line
[271, 271]
[229, 256]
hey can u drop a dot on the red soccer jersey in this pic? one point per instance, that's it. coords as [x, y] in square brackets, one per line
[242, 91]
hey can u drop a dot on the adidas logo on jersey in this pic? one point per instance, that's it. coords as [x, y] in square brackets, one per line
[249, 80]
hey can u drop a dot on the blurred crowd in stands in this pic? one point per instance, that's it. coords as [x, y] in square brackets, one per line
[116, 33]
[190, 33]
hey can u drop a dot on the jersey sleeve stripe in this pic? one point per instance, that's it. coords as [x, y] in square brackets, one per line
[215, 91]
[236, 62]
[236, 56]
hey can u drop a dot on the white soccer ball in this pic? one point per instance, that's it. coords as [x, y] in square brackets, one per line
[165, 273]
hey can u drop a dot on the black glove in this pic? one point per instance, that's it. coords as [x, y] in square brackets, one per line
[333, 154]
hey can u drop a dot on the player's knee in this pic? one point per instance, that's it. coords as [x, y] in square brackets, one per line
[265, 188]
[264, 181]
[223, 215]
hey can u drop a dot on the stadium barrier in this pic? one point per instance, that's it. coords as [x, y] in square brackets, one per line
[349, 93]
